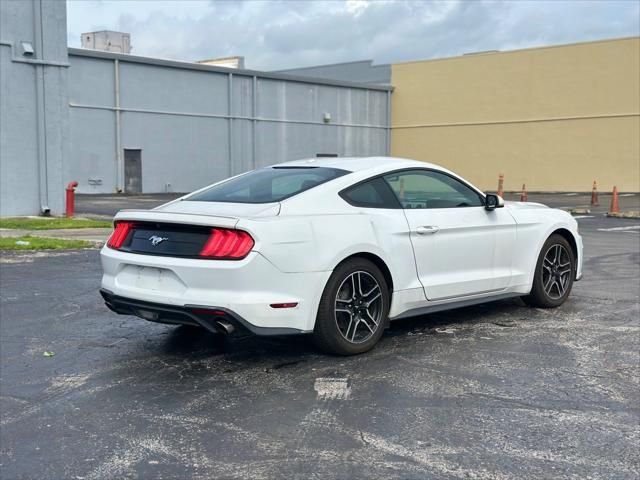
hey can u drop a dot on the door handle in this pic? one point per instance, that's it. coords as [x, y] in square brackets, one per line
[427, 230]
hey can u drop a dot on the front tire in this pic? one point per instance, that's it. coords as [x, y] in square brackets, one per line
[353, 309]
[554, 275]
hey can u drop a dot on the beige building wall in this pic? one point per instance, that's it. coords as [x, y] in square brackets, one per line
[555, 118]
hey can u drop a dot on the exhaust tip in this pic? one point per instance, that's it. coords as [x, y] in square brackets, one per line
[226, 327]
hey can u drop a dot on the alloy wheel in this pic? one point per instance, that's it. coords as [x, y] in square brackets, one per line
[358, 307]
[556, 271]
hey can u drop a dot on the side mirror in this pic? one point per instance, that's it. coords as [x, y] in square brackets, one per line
[492, 201]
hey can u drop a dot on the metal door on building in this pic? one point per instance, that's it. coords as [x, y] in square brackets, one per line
[133, 171]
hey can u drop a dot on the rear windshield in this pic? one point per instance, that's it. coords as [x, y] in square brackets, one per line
[267, 185]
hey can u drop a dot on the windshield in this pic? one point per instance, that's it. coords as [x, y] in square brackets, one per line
[267, 185]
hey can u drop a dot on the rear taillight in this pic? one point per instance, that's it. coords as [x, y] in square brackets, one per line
[227, 244]
[119, 235]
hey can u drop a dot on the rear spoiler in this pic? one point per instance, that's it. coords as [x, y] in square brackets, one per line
[182, 218]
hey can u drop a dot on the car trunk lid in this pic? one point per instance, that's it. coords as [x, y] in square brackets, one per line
[153, 232]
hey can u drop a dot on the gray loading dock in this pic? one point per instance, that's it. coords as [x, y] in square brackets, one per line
[149, 125]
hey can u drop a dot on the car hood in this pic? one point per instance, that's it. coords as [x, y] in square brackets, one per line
[237, 210]
[523, 205]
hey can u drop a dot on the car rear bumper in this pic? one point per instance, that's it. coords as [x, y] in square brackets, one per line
[214, 319]
[245, 289]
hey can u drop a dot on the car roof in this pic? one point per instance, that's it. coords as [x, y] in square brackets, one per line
[363, 168]
[359, 164]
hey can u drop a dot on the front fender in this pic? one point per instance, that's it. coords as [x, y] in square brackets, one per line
[534, 227]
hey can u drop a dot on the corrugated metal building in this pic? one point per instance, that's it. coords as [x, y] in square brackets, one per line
[151, 125]
[117, 122]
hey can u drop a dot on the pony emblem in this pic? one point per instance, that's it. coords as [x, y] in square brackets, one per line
[156, 240]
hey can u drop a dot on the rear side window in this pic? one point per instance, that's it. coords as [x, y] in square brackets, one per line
[374, 193]
[267, 185]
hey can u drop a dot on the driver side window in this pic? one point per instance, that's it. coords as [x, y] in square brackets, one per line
[430, 189]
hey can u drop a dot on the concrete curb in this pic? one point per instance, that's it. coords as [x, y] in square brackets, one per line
[629, 214]
[579, 211]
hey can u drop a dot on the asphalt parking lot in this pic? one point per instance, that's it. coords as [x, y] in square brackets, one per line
[494, 391]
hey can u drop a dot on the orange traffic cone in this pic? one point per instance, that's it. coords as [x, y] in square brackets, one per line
[614, 201]
[594, 195]
[501, 185]
[524, 196]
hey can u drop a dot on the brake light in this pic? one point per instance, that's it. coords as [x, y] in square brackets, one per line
[227, 244]
[119, 235]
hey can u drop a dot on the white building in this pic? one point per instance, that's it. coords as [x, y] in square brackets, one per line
[107, 41]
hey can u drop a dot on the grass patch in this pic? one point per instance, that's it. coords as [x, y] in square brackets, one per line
[40, 243]
[50, 223]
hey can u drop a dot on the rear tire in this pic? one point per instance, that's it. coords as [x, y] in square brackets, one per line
[353, 310]
[554, 274]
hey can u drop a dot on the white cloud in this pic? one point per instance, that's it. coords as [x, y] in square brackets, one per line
[356, 7]
[291, 33]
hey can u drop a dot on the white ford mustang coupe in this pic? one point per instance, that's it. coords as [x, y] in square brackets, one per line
[335, 247]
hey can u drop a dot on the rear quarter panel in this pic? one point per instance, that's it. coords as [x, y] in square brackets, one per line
[320, 241]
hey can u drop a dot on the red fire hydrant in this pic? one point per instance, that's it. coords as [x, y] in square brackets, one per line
[71, 189]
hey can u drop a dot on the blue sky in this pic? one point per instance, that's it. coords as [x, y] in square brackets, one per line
[289, 33]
